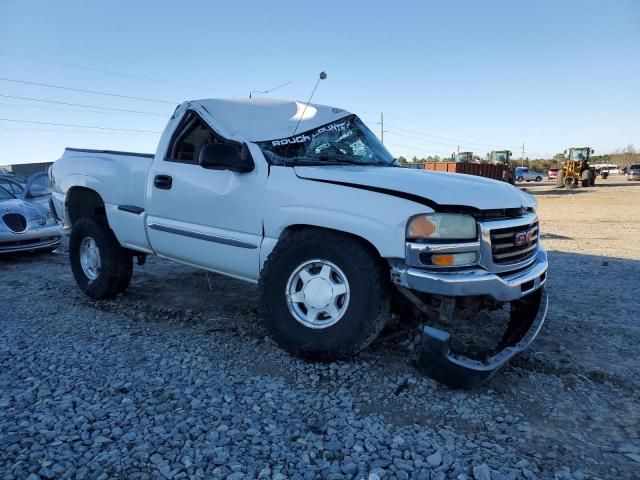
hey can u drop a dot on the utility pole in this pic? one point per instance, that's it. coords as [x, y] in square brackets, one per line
[382, 127]
[522, 157]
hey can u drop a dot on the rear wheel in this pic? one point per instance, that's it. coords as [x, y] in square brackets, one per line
[586, 178]
[521, 179]
[100, 266]
[560, 179]
[538, 179]
[324, 295]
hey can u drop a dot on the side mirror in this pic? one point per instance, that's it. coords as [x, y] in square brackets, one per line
[224, 156]
[36, 192]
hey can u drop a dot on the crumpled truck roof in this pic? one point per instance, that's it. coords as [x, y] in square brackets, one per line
[260, 119]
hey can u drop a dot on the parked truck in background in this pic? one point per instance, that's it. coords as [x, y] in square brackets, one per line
[305, 201]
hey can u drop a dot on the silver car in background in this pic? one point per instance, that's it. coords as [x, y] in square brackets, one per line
[634, 172]
[26, 226]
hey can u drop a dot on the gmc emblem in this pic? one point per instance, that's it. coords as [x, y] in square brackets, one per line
[523, 238]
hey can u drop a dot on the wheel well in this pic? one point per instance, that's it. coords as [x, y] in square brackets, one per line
[84, 203]
[291, 229]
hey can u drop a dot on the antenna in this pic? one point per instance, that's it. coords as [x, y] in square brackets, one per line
[268, 91]
[321, 77]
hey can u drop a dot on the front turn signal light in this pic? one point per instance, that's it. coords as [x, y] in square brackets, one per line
[454, 259]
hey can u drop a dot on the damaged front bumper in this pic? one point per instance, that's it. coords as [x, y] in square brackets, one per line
[437, 361]
[523, 288]
[476, 281]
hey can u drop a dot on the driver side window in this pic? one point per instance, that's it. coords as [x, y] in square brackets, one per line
[189, 138]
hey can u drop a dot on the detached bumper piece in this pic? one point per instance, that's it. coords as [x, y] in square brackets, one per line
[438, 362]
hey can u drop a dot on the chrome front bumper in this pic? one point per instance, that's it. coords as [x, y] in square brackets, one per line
[475, 281]
[32, 239]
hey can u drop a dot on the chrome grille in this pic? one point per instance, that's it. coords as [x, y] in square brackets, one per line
[505, 247]
[17, 223]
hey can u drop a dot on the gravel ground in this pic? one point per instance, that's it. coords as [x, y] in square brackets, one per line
[175, 379]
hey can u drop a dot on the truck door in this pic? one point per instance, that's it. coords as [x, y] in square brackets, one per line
[203, 217]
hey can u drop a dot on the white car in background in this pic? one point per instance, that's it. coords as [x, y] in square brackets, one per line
[26, 226]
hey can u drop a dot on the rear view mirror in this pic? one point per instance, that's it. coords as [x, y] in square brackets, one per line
[225, 156]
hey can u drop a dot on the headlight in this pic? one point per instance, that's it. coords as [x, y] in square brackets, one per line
[40, 220]
[442, 226]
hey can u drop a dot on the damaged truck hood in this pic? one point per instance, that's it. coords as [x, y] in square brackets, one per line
[434, 188]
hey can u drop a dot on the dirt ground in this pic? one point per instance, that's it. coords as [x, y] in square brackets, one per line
[568, 408]
[592, 237]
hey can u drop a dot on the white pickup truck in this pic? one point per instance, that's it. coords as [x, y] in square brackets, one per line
[307, 202]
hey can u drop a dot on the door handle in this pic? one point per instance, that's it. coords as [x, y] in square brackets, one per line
[163, 182]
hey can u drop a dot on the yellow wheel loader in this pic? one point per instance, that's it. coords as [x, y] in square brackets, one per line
[576, 170]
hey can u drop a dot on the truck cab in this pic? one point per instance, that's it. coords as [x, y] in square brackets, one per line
[462, 157]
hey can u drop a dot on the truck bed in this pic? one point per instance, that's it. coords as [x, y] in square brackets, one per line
[120, 178]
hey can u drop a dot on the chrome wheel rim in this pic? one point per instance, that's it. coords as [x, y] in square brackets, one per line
[90, 258]
[317, 294]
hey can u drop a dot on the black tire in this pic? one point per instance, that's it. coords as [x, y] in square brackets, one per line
[367, 310]
[593, 180]
[570, 182]
[560, 179]
[586, 178]
[520, 179]
[116, 262]
[538, 179]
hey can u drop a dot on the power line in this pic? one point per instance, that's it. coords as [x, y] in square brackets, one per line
[77, 126]
[49, 107]
[111, 72]
[420, 139]
[55, 130]
[416, 149]
[268, 91]
[457, 141]
[93, 92]
[84, 105]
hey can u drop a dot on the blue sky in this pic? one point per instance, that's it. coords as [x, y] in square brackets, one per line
[482, 75]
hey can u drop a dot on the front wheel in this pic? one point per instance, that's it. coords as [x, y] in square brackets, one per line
[324, 295]
[538, 179]
[520, 179]
[586, 178]
[100, 266]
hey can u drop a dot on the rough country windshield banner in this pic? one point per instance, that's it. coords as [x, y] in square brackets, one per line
[336, 127]
[347, 140]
